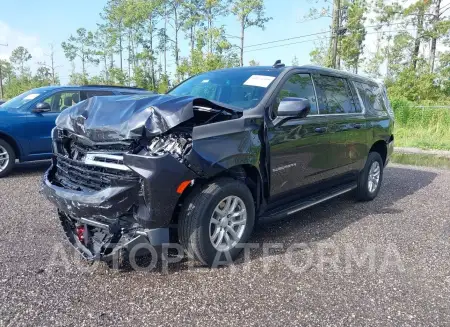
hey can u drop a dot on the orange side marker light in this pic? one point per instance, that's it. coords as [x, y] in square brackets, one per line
[182, 186]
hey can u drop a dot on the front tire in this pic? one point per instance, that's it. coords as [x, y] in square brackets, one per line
[7, 158]
[215, 220]
[370, 178]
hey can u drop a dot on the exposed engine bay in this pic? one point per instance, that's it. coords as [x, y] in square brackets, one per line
[175, 143]
[178, 141]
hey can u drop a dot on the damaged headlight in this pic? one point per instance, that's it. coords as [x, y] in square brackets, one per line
[175, 144]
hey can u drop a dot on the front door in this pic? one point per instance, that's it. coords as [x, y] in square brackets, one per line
[298, 147]
[40, 125]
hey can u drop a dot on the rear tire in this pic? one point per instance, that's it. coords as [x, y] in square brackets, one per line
[370, 178]
[210, 223]
[7, 158]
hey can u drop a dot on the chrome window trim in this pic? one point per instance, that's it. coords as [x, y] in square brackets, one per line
[342, 114]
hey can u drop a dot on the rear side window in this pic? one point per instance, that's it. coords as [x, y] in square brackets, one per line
[299, 86]
[372, 97]
[89, 94]
[128, 93]
[335, 96]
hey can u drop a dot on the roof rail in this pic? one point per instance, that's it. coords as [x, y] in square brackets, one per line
[115, 86]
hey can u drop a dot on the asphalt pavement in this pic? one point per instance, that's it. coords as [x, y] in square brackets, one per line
[342, 263]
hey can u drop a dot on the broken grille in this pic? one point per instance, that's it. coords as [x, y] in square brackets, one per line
[77, 175]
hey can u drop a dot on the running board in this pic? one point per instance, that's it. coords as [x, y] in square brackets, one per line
[306, 203]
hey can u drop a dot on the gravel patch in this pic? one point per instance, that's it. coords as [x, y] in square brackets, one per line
[342, 263]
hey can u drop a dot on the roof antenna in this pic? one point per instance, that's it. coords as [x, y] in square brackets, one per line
[278, 64]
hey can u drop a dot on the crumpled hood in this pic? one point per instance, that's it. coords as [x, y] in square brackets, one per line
[114, 118]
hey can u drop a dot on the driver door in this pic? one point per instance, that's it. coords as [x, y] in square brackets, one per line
[298, 146]
[40, 125]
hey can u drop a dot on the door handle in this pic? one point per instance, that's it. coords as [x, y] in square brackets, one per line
[320, 130]
[357, 126]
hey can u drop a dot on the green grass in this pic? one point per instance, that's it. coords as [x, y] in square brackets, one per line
[423, 138]
[424, 160]
[421, 128]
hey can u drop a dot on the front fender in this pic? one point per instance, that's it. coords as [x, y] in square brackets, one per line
[221, 146]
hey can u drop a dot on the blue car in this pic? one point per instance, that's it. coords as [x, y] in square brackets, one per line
[26, 121]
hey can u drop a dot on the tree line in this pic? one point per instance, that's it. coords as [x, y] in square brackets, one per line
[411, 44]
[138, 41]
[132, 37]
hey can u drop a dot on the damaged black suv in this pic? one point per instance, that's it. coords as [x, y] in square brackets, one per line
[217, 153]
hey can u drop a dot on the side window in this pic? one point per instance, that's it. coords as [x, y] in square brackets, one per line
[372, 97]
[299, 86]
[128, 93]
[89, 94]
[336, 97]
[62, 100]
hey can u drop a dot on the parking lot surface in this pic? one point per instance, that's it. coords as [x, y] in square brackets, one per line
[343, 263]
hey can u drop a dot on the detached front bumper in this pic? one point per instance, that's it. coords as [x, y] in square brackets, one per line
[97, 241]
[126, 213]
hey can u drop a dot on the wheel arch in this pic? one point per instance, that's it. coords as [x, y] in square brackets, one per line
[380, 146]
[247, 173]
[11, 141]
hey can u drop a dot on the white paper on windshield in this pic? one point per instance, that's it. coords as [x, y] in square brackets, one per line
[31, 96]
[205, 81]
[259, 80]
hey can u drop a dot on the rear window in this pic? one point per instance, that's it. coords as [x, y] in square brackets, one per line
[89, 94]
[372, 97]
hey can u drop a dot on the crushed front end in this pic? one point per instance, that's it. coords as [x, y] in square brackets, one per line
[110, 198]
[114, 191]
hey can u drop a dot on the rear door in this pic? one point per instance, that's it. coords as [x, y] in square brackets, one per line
[347, 125]
[298, 147]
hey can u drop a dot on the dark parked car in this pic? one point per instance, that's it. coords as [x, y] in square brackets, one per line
[218, 152]
[27, 120]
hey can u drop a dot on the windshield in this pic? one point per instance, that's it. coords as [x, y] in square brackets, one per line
[20, 100]
[242, 88]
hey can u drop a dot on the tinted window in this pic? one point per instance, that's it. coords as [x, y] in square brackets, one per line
[336, 97]
[299, 86]
[241, 88]
[130, 93]
[372, 97]
[24, 98]
[62, 100]
[89, 94]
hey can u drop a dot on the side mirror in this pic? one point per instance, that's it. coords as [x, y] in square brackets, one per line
[294, 107]
[42, 107]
